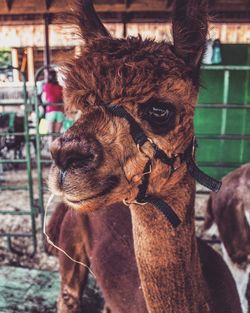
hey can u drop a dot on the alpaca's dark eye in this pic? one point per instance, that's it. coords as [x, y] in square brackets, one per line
[160, 115]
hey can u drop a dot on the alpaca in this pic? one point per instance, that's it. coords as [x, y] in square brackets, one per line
[104, 239]
[135, 142]
[230, 210]
[12, 123]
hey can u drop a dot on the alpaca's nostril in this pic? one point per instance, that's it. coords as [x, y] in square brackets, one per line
[73, 153]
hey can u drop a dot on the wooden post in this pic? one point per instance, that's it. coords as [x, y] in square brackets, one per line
[124, 18]
[14, 56]
[46, 48]
[124, 28]
[31, 71]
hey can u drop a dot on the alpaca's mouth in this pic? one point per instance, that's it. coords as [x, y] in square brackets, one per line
[110, 183]
[75, 204]
[75, 201]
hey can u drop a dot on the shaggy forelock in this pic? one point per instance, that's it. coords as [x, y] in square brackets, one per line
[119, 70]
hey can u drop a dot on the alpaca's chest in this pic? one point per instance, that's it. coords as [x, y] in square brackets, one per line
[112, 258]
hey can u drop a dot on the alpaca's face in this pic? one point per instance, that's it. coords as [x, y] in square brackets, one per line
[100, 159]
[96, 161]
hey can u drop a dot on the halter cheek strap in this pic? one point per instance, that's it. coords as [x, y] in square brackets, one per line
[187, 156]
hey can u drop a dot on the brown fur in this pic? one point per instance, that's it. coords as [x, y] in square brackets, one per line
[227, 210]
[101, 163]
[107, 240]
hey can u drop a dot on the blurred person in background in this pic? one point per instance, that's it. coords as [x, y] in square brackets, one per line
[54, 113]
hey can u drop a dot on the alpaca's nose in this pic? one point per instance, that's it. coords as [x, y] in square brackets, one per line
[74, 152]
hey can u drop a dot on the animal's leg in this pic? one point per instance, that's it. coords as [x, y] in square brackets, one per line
[248, 293]
[73, 275]
[241, 278]
[73, 280]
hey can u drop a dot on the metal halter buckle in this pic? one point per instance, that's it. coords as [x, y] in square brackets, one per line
[176, 164]
[177, 161]
[195, 145]
[139, 147]
[133, 202]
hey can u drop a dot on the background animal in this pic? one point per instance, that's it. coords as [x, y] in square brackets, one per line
[134, 142]
[11, 123]
[230, 211]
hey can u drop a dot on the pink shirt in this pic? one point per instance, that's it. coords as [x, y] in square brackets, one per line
[53, 93]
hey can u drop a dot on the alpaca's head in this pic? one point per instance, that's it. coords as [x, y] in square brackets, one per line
[157, 83]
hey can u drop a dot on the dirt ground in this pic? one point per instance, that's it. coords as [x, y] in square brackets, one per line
[16, 201]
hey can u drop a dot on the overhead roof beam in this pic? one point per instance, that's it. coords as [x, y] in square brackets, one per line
[123, 11]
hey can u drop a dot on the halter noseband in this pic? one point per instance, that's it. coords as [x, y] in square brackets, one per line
[187, 156]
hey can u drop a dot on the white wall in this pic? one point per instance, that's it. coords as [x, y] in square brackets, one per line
[64, 35]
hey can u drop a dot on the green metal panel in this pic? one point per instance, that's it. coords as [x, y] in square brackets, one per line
[209, 121]
[235, 54]
[228, 85]
[212, 150]
[212, 87]
[239, 85]
[211, 90]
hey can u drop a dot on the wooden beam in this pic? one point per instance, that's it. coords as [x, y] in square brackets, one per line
[48, 4]
[127, 3]
[14, 56]
[9, 4]
[30, 60]
[58, 6]
[124, 18]
[32, 11]
[24, 61]
[46, 34]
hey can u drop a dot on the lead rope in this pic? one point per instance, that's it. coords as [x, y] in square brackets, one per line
[54, 245]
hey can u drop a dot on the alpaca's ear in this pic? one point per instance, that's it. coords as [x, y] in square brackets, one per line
[190, 25]
[88, 21]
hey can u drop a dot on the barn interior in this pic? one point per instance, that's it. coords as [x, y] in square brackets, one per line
[34, 38]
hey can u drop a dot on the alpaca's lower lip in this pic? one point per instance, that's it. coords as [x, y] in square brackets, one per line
[75, 201]
[110, 183]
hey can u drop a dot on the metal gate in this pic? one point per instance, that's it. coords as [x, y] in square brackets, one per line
[26, 161]
[221, 119]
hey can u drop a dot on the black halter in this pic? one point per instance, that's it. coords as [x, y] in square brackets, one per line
[187, 156]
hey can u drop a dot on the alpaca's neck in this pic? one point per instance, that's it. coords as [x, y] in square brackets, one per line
[167, 258]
